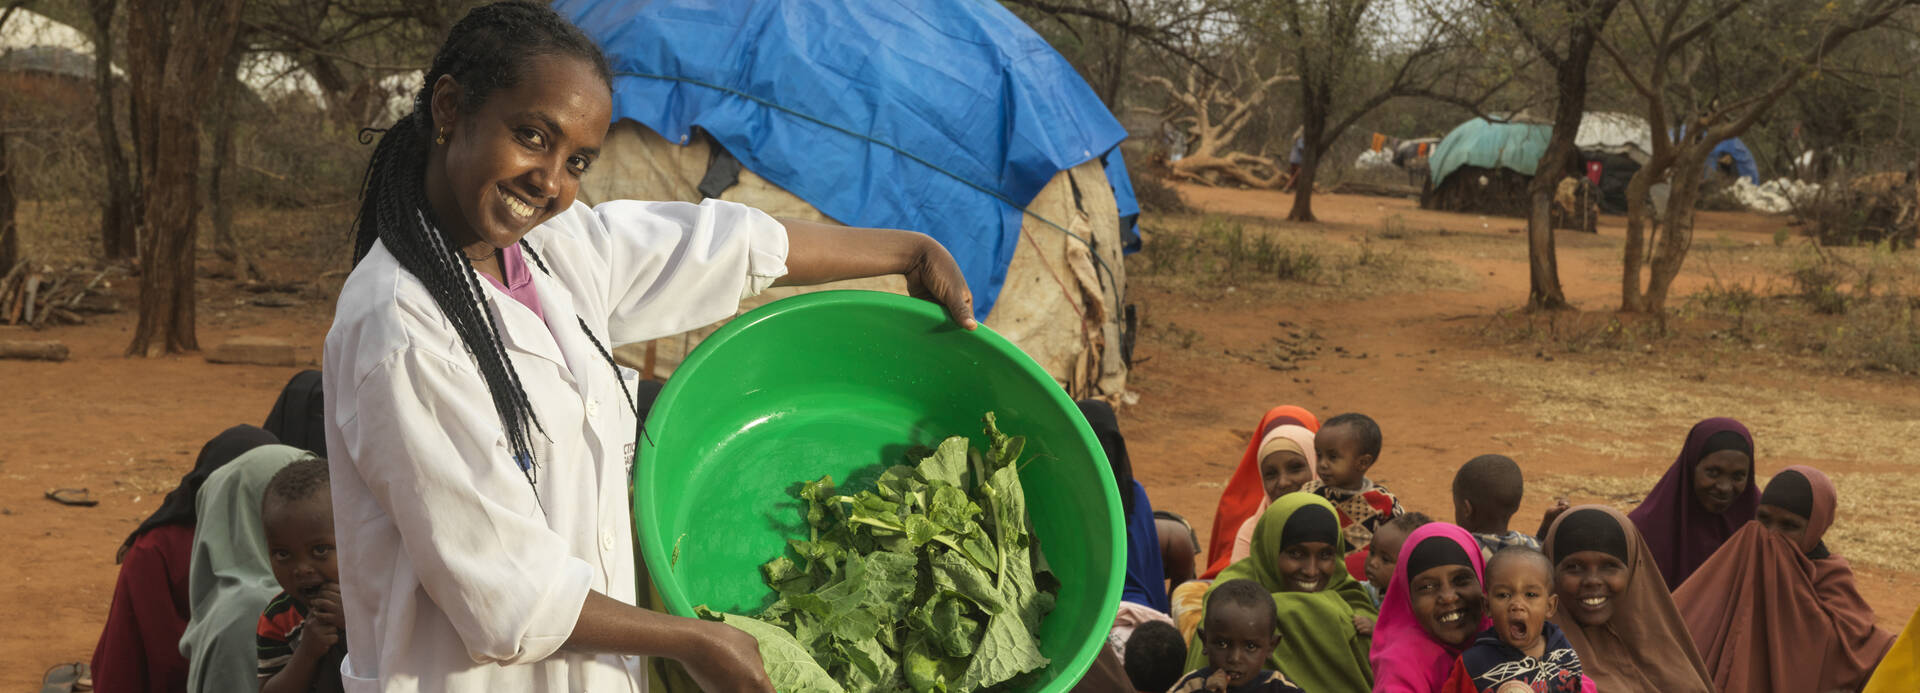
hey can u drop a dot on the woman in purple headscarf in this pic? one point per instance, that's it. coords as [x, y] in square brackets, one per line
[1706, 496]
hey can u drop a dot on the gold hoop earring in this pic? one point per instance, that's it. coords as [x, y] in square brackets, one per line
[441, 138]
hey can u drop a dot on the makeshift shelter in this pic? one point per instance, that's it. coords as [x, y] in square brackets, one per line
[1484, 166]
[954, 119]
[1730, 159]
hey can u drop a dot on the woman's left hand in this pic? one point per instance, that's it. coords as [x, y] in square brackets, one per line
[934, 276]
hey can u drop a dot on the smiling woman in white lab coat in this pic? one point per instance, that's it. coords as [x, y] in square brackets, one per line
[479, 431]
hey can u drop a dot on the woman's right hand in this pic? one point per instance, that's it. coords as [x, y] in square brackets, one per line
[728, 660]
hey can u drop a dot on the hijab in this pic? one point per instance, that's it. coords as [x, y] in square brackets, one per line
[231, 580]
[1763, 606]
[1146, 575]
[1678, 531]
[1319, 648]
[1244, 493]
[1406, 658]
[1645, 646]
[178, 507]
[299, 416]
[1287, 438]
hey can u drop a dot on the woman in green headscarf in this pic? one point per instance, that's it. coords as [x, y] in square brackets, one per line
[231, 579]
[1298, 555]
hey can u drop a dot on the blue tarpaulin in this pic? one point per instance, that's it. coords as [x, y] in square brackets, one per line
[1743, 165]
[942, 117]
[1123, 200]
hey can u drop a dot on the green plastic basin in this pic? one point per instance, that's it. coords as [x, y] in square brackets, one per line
[843, 383]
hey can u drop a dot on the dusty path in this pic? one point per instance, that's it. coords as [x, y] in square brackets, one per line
[127, 429]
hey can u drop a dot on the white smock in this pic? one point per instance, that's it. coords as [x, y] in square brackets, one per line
[454, 574]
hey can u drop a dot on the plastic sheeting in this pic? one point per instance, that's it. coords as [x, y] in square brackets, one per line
[1485, 144]
[1615, 133]
[942, 117]
[1734, 149]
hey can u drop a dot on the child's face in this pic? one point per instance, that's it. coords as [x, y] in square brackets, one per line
[300, 545]
[1238, 641]
[1789, 525]
[1307, 566]
[1589, 582]
[1284, 472]
[1341, 464]
[1519, 600]
[1448, 601]
[1382, 553]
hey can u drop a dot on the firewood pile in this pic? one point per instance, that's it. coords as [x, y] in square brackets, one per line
[39, 295]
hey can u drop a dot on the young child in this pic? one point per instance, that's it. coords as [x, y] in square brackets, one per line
[301, 641]
[1486, 494]
[1345, 448]
[1155, 656]
[1238, 635]
[1384, 552]
[1522, 651]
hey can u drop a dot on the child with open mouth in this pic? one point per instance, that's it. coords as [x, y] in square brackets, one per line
[1522, 652]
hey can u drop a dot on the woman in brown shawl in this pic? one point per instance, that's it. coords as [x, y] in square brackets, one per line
[1615, 609]
[1774, 611]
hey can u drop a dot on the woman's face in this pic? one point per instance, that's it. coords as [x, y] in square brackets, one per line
[1307, 566]
[1283, 472]
[516, 160]
[1589, 584]
[1789, 525]
[1449, 603]
[1720, 478]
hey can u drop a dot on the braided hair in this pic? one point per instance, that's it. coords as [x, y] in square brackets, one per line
[485, 52]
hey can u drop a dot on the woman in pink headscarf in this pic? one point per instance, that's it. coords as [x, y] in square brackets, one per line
[1774, 611]
[1432, 611]
[1706, 496]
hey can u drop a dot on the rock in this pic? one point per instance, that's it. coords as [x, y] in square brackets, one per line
[254, 351]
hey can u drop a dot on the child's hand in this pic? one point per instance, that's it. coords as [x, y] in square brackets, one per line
[1217, 682]
[1363, 624]
[324, 620]
[1560, 506]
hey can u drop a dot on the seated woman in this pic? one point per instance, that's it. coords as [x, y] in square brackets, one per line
[139, 648]
[1775, 588]
[1244, 494]
[1615, 609]
[232, 578]
[1434, 609]
[1286, 463]
[1706, 496]
[1297, 552]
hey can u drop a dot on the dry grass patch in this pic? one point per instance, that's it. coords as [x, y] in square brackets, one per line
[1630, 405]
[1194, 253]
[1861, 530]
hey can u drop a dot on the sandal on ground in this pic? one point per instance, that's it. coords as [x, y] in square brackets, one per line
[72, 496]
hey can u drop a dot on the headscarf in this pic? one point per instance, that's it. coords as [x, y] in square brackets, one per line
[231, 579]
[177, 507]
[1319, 648]
[1406, 658]
[1679, 532]
[1645, 646]
[299, 416]
[1899, 671]
[1762, 608]
[1146, 576]
[1244, 492]
[1285, 437]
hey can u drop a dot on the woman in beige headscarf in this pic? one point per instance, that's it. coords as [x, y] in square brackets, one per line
[1286, 464]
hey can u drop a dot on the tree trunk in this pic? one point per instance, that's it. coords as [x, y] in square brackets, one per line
[9, 232]
[1570, 81]
[1677, 230]
[1638, 189]
[118, 212]
[1316, 107]
[219, 195]
[176, 49]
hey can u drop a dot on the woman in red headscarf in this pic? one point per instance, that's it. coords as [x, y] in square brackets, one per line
[1774, 611]
[1246, 495]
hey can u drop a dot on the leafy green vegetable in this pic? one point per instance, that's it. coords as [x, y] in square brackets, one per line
[931, 581]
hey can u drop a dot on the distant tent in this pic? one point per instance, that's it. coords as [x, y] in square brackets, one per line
[1484, 167]
[1617, 134]
[1731, 159]
[954, 119]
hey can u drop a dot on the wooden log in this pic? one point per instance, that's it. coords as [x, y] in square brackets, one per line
[33, 293]
[33, 351]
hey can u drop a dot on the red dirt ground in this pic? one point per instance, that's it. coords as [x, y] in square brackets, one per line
[128, 428]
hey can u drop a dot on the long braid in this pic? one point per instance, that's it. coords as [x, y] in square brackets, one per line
[483, 53]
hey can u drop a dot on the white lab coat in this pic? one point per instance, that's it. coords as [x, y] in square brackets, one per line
[454, 576]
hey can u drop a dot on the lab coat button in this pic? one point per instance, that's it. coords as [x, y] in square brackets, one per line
[606, 540]
[593, 409]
